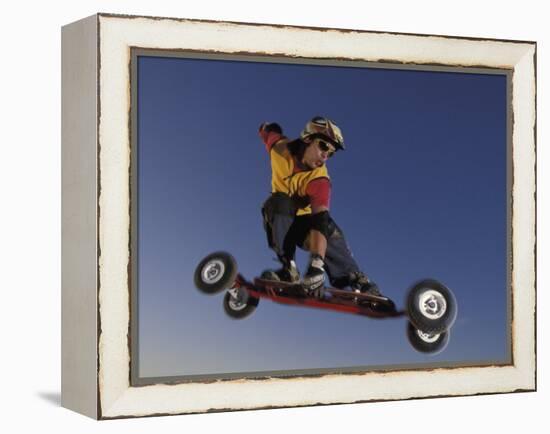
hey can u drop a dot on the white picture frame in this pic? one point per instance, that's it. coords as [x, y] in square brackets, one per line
[96, 276]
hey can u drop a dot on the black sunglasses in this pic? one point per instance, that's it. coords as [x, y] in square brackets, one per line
[326, 147]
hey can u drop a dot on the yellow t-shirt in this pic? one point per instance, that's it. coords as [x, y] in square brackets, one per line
[284, 179]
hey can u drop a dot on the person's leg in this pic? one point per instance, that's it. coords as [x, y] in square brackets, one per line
[339, 261]
[341, 266]
[278, 214]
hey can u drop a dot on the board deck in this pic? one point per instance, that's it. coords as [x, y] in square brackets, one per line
[340, 293]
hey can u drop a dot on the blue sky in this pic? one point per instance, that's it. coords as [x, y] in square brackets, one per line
[419, 192]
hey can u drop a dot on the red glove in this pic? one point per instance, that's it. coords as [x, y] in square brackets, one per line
[270, 134]
[271, 126]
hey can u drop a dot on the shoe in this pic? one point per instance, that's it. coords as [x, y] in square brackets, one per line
[287, 273]
[314, 279]
[361, 283]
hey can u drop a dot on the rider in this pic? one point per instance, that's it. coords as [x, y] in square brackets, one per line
[297, 212]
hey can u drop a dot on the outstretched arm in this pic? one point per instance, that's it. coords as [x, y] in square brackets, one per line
[272, 136]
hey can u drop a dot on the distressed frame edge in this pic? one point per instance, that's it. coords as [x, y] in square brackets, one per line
[317, 28]
[530, 384]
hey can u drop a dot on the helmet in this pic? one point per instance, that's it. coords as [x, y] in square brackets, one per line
[323, 127]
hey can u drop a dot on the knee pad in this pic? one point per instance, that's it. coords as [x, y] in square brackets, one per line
[321, 222]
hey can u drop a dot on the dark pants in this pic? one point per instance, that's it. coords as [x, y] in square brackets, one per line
[285, 231]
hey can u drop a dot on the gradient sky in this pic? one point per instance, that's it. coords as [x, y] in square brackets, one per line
[419, 192]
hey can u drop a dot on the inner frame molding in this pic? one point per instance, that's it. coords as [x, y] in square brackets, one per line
[136, 53]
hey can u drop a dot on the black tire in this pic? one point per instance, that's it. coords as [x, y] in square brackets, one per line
[425, 342]
[215, 273]
[431, 306]
[241, 305]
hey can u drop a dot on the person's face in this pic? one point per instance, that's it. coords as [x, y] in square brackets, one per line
[317, 153]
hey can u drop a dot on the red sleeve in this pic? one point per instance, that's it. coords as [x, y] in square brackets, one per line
[318, 192]
[270, 138]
